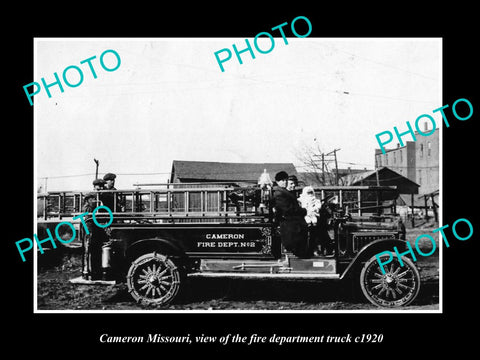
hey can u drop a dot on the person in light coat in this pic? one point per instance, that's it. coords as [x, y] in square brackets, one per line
[310, 203]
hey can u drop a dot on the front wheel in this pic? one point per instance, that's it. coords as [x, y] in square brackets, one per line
[399, 286]
[153, 278]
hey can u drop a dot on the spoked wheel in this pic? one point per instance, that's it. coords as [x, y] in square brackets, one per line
[399, 286]
[153, 279]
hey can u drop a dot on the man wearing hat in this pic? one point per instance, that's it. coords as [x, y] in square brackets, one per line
[292, 183]
[108, 197]
[293, 228]
[109, 179]
[98, 184]
[91, 198]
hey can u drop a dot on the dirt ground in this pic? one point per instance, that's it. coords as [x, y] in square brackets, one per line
[54, 292]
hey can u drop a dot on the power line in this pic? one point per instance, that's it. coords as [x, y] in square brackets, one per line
[93, 174]
[325, 161]
[352, 163]
[375, 61]
[247, 81]
[64, 176]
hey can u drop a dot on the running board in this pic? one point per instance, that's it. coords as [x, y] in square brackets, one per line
[225, 266]
[81, 281]
[251, 275]
[290, 265]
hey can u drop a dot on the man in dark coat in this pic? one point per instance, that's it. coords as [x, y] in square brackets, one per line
[95, 237]
[111, 200]
[293, 228]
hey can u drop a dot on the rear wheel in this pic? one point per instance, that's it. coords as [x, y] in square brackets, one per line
[154, 278]
[399, 286]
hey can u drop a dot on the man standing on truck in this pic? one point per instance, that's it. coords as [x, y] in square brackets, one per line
[98, 184]
[111, 200]
[290, 215]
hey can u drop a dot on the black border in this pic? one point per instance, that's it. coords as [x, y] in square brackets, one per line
[408, 333]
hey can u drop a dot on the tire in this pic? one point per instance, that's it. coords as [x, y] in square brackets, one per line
[399, 286]
[154, 279]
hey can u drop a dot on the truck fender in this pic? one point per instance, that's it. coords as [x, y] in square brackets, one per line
[163, 246]
[372, 249]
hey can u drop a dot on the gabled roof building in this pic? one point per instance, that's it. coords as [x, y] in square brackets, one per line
[237, 173]
[382, 177]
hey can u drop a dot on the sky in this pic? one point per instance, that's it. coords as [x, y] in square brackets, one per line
[168, 100]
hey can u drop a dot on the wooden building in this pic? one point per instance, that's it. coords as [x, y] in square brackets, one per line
[206, 175]
[383, 176]
[236, 173]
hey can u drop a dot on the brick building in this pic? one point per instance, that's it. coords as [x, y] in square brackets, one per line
[418, 160]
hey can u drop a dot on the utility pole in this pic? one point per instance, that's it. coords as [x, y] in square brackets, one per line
[322, 156]
[323, 169]
[334, 152]
[336, 166]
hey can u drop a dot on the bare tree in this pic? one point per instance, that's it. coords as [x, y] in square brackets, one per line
[310, 156]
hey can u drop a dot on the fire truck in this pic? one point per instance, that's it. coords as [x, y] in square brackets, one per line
[163, 235]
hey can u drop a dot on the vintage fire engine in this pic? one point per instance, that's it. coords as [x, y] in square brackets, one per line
[164, 234]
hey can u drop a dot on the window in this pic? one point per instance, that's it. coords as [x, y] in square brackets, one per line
[401, 157]
[429, 148]
[421, 150]
[394, 158]
[419, 177]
